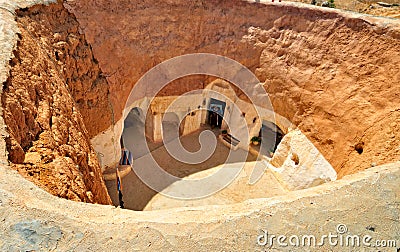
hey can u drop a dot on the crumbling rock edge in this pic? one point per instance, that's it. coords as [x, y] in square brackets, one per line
[43, 111]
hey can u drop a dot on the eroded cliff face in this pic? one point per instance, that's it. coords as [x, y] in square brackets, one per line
[54, 91]
[336, 75]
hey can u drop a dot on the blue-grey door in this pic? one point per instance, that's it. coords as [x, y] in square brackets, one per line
[216, 111]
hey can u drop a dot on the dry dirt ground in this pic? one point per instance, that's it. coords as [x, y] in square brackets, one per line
[137, 195]
[366, 7]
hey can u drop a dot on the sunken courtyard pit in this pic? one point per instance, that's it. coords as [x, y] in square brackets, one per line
[190, 125]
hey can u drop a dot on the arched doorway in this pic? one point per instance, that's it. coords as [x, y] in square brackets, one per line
[134, 132]
[135, 117]
[215, 113]
[171, 128]
[271, 135]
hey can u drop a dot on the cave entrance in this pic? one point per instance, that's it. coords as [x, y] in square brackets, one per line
[215, 113]
[271, 135]
[134, 130]
[171, 127]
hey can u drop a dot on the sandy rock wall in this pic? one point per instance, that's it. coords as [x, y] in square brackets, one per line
[130, 38]
[48, 139]
[339, 81]
[336, 75]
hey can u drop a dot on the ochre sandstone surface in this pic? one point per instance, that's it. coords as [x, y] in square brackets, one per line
[333, 74]
[340, 87]
[368, 7]
[52, 94]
